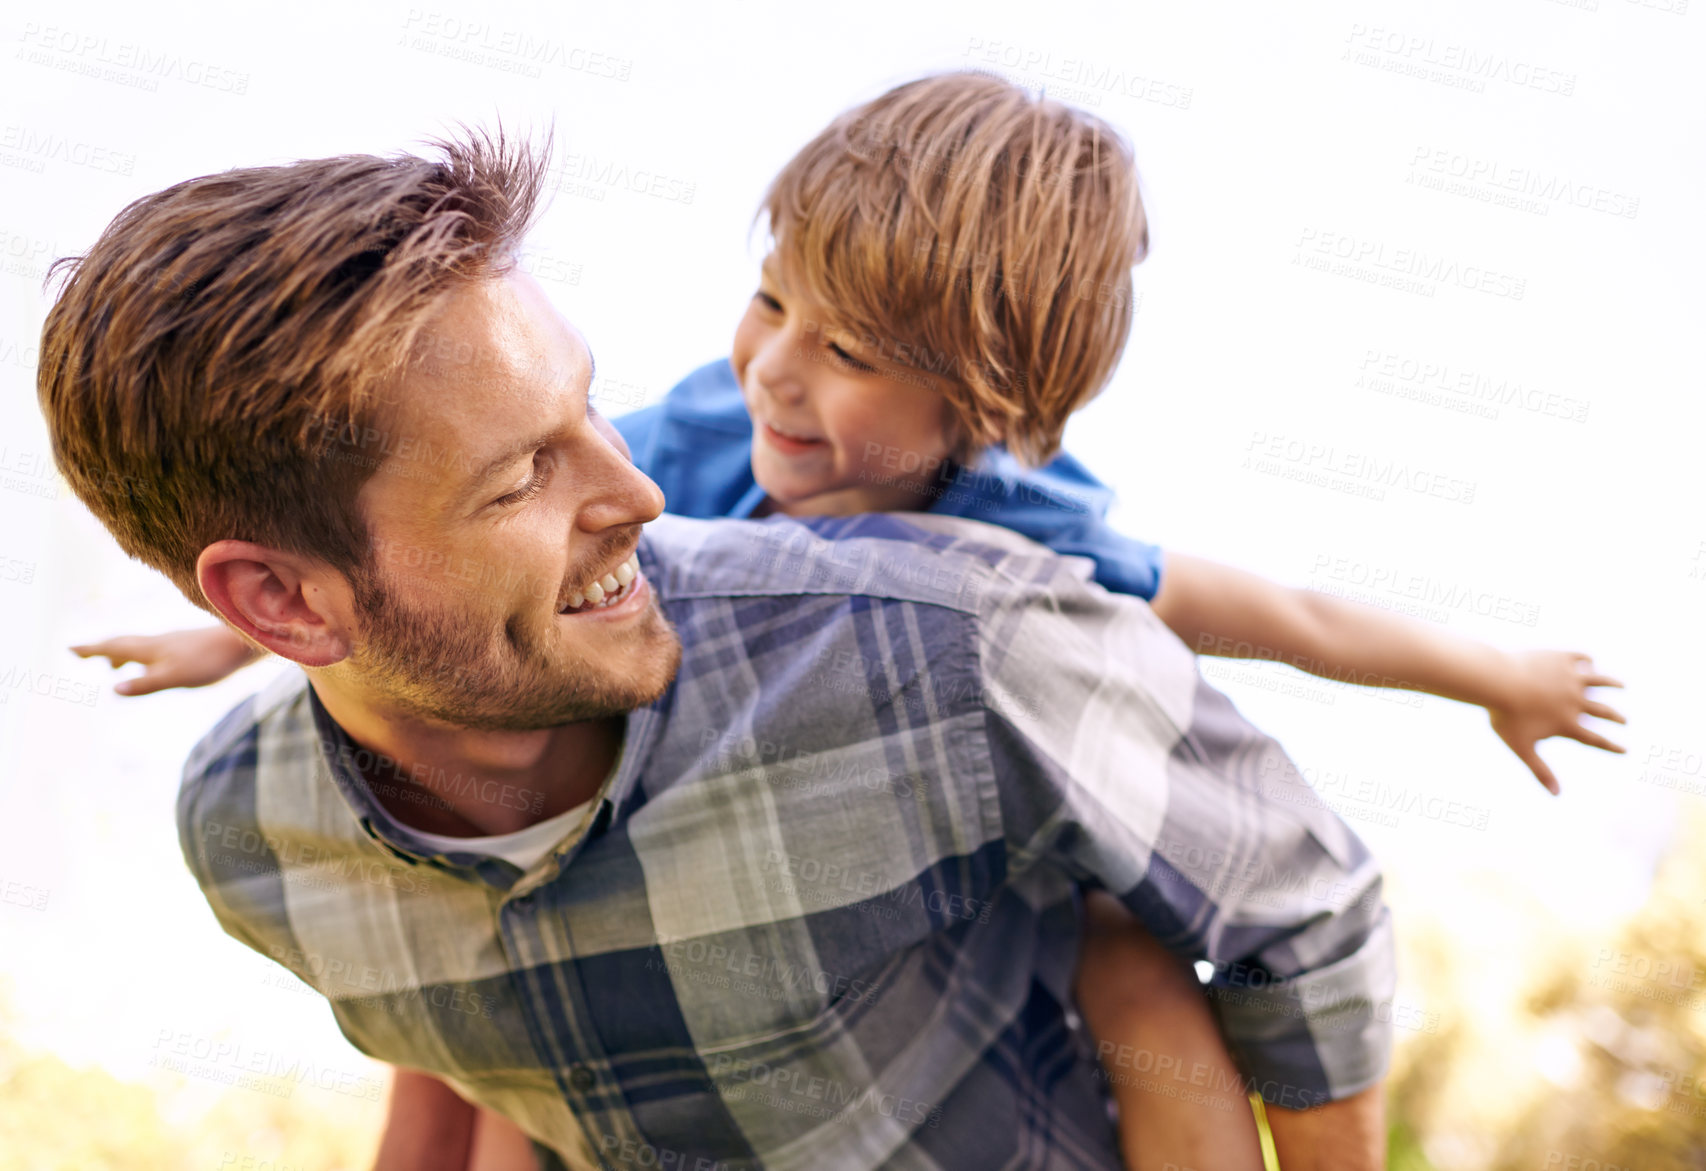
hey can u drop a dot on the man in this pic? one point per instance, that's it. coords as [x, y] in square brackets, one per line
[720, 844]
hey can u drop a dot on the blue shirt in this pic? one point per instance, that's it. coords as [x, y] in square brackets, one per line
[825, 914]
[697, 446]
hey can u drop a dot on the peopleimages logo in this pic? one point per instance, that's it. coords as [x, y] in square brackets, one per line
[1497, 178]
[41, 147]
[1075, 79]
[1461, 66]
[18, 679]
[1359, 473]
[123, 61]
[510, 50]
[1408, 269]
[265, 1070]
[1470, 391]
[1437, 598]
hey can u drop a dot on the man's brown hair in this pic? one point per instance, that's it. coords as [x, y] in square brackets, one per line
[209, 367]
[970, 230]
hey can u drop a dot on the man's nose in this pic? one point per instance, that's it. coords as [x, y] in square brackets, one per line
[627, 495]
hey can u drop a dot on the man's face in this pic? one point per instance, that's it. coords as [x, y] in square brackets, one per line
[504, 498]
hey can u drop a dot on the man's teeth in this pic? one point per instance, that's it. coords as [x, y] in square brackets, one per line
[608, 589]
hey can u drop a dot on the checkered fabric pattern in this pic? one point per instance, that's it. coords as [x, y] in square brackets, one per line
[826, 914]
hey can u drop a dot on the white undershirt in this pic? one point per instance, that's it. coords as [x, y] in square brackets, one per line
[524, 847]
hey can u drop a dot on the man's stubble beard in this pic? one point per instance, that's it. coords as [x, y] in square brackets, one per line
[437, 665]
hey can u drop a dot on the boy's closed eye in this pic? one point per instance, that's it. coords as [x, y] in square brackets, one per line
[856, 364]
[769, 301]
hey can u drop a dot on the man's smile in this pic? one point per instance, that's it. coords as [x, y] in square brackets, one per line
[620, 591]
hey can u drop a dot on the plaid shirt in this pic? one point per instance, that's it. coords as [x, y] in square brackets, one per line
[826, 913]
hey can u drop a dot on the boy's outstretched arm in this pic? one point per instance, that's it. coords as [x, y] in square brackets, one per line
[1529, 695]
[182, 658]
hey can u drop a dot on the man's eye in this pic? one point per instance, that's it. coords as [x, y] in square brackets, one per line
[851, 360]
[527, 491]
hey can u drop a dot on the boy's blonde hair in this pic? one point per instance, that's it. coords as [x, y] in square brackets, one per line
[970, 230]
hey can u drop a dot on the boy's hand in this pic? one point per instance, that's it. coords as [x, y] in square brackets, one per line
[1548, 697]
[183, 658]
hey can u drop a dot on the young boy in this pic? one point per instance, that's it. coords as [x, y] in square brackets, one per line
[949, 279]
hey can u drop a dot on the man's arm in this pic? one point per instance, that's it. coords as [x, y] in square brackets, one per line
[1218, 610]
[1117, 763]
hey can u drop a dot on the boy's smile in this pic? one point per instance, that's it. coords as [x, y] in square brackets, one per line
[832, 420]
[783, 441]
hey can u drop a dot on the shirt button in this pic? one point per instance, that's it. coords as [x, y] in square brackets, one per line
[581, 1078]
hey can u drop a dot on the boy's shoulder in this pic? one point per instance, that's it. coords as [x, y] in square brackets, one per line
[709, 397]
[696, 444]
[998, 485]
[1061, 505]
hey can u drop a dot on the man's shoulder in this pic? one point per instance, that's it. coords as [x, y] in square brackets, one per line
[909, 557]
[222, 770]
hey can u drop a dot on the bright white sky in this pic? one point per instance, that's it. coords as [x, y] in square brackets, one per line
[1303, 136]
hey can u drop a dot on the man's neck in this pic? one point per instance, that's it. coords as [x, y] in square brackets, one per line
[463, 782]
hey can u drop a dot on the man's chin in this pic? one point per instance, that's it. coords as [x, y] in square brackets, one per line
[633, 675]
[538, 687]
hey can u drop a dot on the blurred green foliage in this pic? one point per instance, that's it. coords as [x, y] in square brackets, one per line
[1559, 1049]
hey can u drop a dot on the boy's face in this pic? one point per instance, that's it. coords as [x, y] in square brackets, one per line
[837, 428]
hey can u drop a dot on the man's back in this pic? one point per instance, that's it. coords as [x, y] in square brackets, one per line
[823, 916]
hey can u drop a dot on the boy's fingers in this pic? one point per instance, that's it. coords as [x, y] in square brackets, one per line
[1594, 708]
[1594, 678]
[119, 651]
[1587, 736]
[1526, 753]
[98, 650]
[146, 684]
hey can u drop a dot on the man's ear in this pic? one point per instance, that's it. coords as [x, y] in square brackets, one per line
[297, 609]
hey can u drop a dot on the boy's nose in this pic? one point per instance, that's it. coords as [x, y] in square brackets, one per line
[775, 368]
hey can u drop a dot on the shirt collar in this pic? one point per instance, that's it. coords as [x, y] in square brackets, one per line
[341, 755]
